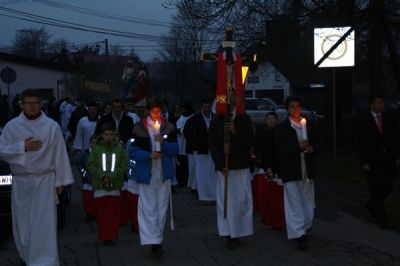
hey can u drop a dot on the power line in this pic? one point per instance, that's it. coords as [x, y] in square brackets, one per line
[72, 25]
[81, 27]
[106, 15]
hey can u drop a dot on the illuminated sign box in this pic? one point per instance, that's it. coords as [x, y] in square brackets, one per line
[325, 38]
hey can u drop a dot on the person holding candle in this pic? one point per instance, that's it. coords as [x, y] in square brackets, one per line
[107, 165]
[295, 149]
[154, 148]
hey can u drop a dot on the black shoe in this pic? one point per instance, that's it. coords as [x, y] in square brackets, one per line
[232, 243]
[108, 243]
[23, 263]
[302, 243]
[309, 230]
[157, 251]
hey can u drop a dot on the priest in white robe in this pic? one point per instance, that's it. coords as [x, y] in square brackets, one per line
[33, 145]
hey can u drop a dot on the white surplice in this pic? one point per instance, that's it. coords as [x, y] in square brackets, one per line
[206, 179]
[192, 179]
[299, 198]
[239, 220]
[84, 131]
[35, 176]
[153, 201]
[66, 110]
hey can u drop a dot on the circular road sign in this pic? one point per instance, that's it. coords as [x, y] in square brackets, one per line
[8, 75]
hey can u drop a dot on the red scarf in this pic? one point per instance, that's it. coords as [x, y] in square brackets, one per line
[221, 85]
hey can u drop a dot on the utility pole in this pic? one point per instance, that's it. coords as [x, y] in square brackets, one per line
[37, 46]
[108, 62]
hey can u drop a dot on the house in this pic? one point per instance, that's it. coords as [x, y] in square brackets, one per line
[267, 82]
[32, 73]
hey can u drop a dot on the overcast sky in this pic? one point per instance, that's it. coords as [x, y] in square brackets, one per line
[149, 10]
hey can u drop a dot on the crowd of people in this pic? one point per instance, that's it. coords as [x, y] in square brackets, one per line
[130, 165]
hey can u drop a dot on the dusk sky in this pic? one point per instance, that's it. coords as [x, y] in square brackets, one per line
[147, 11]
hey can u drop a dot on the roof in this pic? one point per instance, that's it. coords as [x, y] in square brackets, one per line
[35, 62]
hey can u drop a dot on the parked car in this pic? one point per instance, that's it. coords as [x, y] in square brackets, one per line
[257, 108]
[5, 200]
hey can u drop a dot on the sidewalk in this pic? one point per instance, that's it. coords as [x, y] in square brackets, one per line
[339, 240]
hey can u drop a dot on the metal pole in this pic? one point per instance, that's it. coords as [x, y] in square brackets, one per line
[334, 112]
[9, 101]
[58, 91]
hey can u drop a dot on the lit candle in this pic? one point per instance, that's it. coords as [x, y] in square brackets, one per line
[303, 123]
[157, 144]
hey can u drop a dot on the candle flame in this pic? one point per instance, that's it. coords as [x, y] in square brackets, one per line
[303, 121]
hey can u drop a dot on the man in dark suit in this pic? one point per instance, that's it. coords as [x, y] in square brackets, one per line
[122, 123]
[379, 153]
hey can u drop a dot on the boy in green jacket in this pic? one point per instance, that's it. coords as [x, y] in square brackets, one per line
[107, 164]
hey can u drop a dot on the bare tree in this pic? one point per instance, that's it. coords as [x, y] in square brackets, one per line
[116, 50]
[31, 42]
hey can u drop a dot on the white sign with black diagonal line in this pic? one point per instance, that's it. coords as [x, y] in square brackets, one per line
[325, 38]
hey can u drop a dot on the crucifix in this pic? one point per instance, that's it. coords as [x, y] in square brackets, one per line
[229, 79]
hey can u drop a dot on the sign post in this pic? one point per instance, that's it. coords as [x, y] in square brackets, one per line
[8, 76]
[334, 47]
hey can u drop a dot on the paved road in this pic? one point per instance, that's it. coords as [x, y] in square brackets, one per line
[337, 239]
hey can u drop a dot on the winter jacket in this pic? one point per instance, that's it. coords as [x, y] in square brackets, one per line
[95, 164]
[140, 151]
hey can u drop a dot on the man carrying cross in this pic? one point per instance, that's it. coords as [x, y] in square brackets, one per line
[231, 138]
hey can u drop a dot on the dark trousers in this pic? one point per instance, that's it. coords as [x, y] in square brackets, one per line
[182, 170]
[380, 180]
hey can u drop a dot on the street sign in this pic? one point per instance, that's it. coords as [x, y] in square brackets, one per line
[327, 38]
[8, 75]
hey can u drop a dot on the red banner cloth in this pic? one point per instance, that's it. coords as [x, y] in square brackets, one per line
[221, 97]
[268, 201]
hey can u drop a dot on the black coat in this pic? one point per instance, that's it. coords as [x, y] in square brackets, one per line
[264, 149]
[288, 151]
[124, 129]
[374, 147]
[241, 142]
[196, 134]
